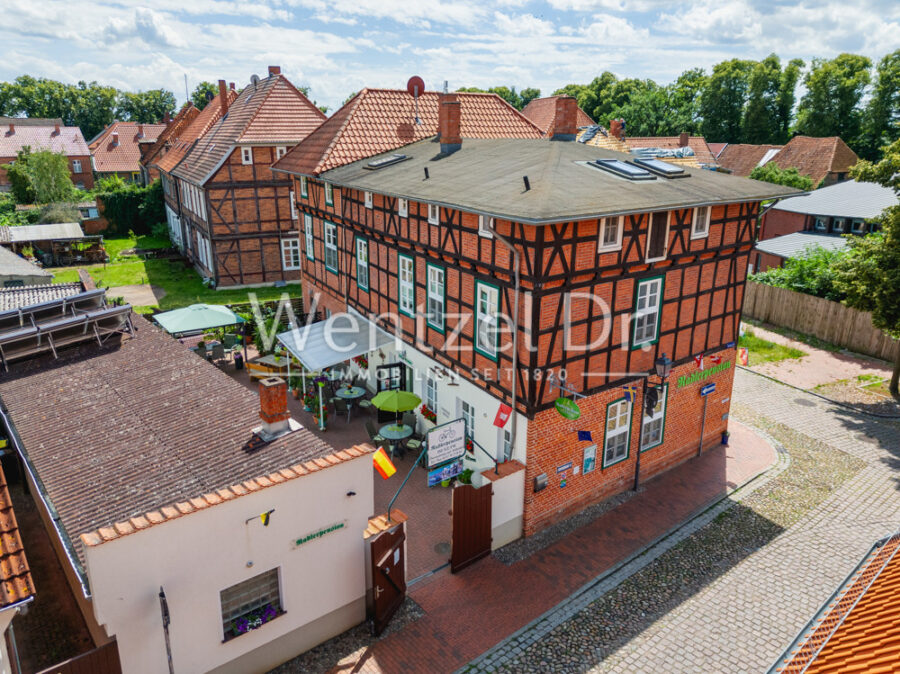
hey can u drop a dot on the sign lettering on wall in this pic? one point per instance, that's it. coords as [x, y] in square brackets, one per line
[324, 531]
[700, 375]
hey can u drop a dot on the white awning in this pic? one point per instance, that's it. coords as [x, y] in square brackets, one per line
[331, 342]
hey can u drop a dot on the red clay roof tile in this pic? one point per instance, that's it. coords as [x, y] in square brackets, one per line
[541, 111]
[16, 583]
[125, 155]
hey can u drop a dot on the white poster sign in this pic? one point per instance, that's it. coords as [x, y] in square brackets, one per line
[446, 442]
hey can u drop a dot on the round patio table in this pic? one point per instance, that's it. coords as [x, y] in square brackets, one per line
[395, 432]
[352, 393]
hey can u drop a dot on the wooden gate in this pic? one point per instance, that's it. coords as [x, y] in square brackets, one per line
[388, 576]
[471, 511]
[103, 660]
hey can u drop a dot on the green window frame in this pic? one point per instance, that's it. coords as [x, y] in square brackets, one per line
[310, 239]
[362, 263]
[435, 296]
[304, 187]
[406, 285]
[648, 302]
[658, 420]
[620, 426]
[331, 247]
[329, 194]
[487, 294]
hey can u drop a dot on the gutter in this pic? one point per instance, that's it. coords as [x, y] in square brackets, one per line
[48, 505]
[515, 340]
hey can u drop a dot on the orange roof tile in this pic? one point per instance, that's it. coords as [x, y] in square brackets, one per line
[16, 583]
[742, 158]
[378, 120]
[202, 123]
[816, 157]
[859, 628]
[170, 134]
[541, 111]
[124, 155]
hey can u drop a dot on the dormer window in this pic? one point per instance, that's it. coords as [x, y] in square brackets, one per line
[402, 208]
[246, 155]
[434, 214]
[367, 198]
[700, 226]
[485, 227]
[329, 194]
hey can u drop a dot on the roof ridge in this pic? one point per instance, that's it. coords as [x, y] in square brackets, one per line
[174, 511]
[304, 98]
[258, 106]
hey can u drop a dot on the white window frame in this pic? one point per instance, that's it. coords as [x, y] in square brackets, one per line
[484, 225]
[620, 412]
[280, 151]
[246, 156]
[647, 257]
[430, 393]
[616, 221]
[76, 166]
[406, 285]
[486, 294]
[820, 224]
[435, 296]
[329, 194]
[362, 263]
[658, 418]
[467, 412]
[858, 226]
[642, 314]
[310, 240]
[402, 207]
[843, 225]
[290, 254]
[367, 198]
[702, 215]
[434, 214]
[294, 215]
[330, 233]
[304, 187]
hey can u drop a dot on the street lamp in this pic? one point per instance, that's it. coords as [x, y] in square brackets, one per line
[662, 367]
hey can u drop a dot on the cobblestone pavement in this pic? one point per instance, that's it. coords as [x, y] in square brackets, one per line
[731, 597]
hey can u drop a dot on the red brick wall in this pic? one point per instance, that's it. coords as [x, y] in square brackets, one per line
[553, 442]
[764, 261]
[86, 176]
[778, 223]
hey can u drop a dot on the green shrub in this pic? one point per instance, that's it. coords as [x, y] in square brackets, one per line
[812, 272]
[790, 177]
[57, 213]
[131, 208]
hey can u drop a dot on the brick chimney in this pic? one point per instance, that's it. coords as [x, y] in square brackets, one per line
[56, 129]
[565, 120]
[449, 123]
[683, 139]
[231, 86]
[274, 70]
[616, 130]
[223, 97]
[115, 138]
[12, 129]
[140, 130]
[167, 118]
[273, 408]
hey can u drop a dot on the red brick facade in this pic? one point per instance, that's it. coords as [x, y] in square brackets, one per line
[778, 223]
[82, 180]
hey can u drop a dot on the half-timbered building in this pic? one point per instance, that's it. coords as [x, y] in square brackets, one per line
[519, 271]
[236, 217]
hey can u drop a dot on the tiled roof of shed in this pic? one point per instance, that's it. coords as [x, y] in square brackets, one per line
[200, 125]
[16, 583]
[858, 630]
[541, 111]
[13, 298]
[378, 120]
[116, 432]
[125, 155]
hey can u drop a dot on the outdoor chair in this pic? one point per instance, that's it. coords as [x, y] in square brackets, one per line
[341, 407]
[230, 340]
[201, 350]
[414, 444]
[217, 352]
[373, 434]
[409, 419]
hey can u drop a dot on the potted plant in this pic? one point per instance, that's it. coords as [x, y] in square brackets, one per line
[465, 477]
[428, 414]
[324, 418]
[309, 402]
[361, 361]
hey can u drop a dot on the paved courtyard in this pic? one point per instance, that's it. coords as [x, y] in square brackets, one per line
[732, 596]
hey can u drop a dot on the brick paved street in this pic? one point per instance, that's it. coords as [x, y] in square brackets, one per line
[731, 597]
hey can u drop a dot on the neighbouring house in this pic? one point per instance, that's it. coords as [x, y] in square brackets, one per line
[599, 262]
[683, 149]
[826, 160]
[116, 151]
[172, 487]
[843, 208]
[238, 224]
[17, 271]
[858, 628]
[45, 134]
[542, 111]
[151, 153]
[773, 252]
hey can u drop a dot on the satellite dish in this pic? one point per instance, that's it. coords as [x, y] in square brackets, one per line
[254, 80]
[415, 86]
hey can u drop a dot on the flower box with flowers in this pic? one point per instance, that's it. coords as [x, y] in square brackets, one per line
[361, 361]
[251, 621]
[428, 414]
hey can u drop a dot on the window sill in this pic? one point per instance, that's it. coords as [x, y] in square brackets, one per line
[609, 249]
[232, 637]
[704, 235]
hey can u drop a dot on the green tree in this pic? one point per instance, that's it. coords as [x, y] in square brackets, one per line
[790, 177]
[50, 177]
[870, 273]
[812, 272]
[881, 120]
[528, 94]
[203, 93]
[770, 100]
[94, 107]
[684, 102]
[723, 99]
[508, 94]
[145, 106]
[787, 97]
[19, 179]
[831, 104]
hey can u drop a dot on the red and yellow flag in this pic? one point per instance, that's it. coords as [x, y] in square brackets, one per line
[383, 464]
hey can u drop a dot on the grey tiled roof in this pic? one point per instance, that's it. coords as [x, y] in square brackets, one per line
[13, 298]
[848, 199]
[791, 245]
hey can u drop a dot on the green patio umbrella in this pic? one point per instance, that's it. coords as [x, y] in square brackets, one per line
[396, 401]
[196, 318]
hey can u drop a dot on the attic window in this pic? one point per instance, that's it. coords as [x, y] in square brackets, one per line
[662, 168]
[246, 155]
[622, 169]
[376, 164]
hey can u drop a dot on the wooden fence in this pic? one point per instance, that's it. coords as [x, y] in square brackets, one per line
[829, 321]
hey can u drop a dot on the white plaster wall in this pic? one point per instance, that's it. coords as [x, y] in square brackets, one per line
[5, 618]
[507, 508]
[196, 556]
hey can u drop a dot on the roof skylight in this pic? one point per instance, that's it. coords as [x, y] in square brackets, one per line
[662, 168]
[623, 169]
[385, 161]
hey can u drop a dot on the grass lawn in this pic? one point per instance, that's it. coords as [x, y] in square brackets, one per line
[814, 342]
[182, 284]
[763, 351]
[114, 247]
[879, 386]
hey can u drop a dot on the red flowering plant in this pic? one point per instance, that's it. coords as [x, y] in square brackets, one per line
[470, 446]
[362, 361]
[428, 414]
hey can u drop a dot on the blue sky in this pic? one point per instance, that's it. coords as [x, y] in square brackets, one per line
[339, 46]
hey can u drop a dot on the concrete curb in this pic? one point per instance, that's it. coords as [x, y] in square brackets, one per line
[518, 641]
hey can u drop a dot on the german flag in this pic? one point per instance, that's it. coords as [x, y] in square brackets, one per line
[383, 464]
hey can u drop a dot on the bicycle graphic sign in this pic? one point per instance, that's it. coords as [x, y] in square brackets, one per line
[446, 442]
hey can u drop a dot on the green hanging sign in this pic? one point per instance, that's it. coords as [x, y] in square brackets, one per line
[567, 408]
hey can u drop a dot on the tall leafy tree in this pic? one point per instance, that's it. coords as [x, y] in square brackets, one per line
[509, 94]
[40, 177]
[787, 97]
[723, 100]
[203, 93]
[684, 102]
[881, 121]
[94, 109]
[145, 106]
[831, 105]
[528, 94]
[761, 116]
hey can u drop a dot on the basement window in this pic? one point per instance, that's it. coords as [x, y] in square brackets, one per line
[858, 226]
[838, 224]
[622, 169]
[250, 604]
